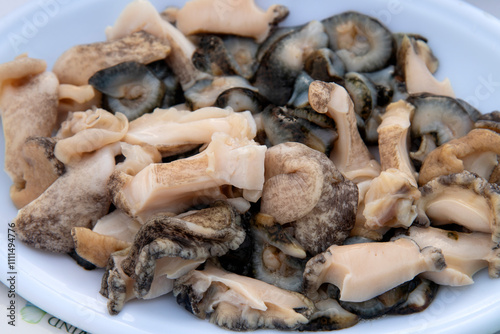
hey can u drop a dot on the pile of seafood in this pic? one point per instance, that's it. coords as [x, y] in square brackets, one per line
[299, 178]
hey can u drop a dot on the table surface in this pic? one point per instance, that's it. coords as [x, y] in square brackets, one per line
[48, 324]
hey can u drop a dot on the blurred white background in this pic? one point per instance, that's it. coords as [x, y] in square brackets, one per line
[492, 7]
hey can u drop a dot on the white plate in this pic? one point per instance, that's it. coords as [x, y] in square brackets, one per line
[465, 40]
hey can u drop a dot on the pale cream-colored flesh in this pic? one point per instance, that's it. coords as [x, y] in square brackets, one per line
[21, 67]
[78, 198]
[34, 98]
[464, 199]
[137, 157]
[475, 152]
[465, 253]
[364, 271]
[248, 292]
[350, 154]
[243, 18]
[393, 138]
[419, 78]
[175, 267]
[41, 170]
[172, 127]
[117, 224]
[87, 131]
[94, 247]
[174, 186]
[76, 98]
[391, 196]
[481, 163]
[390, 200]
[79, 94]
[462, 206]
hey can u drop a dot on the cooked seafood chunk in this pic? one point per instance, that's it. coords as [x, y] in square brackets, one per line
[409, 297]
[362, 92]
[118, 225]
[304, 187]
[474, 113]
[226, 55]
[117, 287]
[275, 35]
[180, 184]
[86, 131]
[26, 93]
[495, 174]
[281, 237]
[476, 152]
[283, 124]
[79, 63]
[212, 57]
[414, 62]
[76, 98]
[490, 121]
[243, 19]
[21, 67]
[166, 247]
[350, 154]
[142, 15]
[329, 316]
[272, 266]
[442, 117]
[129, 88]
[421, 48]
[171, 130]
[78, 198]
[371, 93]
[240, 303]
[300, 95]
[173, 90]
[204, 93]
[244, 52]
[241, 99]
[464, 199]
[366, 270]
[42, 169]
[94, 247]
[284, 61]
[325, 65]
[464, 253]
[362, 42]
[418, 299]
[382, 304]
[389, 85]
[426, 146]
[390, 200]
[137, 157]
[277, 258]
[195, 236]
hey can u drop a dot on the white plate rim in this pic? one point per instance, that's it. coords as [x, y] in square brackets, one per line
[37, 291]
